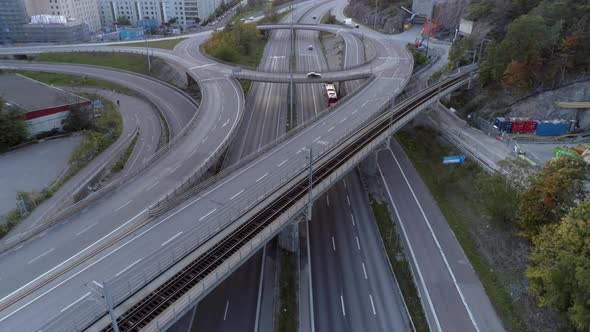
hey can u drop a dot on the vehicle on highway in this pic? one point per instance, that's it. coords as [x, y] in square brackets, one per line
[310, 47]
[251, 18]
[331, 93]
[313, 74]
[357, 26]
[314, 17]
[242, 20]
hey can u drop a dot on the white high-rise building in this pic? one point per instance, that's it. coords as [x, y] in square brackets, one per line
[185, 11]
[85, 10]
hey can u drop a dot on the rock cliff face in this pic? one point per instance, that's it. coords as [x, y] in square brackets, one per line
[389, 16]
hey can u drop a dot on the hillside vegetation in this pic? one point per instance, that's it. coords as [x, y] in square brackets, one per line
[534, 43]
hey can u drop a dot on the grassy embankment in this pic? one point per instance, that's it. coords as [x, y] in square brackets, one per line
[104, 132]
[120, 164]
[131, 62]
[456, 192]
[287, 321]
[400, 265]
[167, 44]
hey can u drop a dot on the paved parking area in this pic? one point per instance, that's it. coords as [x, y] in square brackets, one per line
[33, 167]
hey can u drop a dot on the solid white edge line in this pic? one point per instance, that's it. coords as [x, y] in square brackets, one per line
[418, 270]
[441, 251]
[342, 302]
[170, 239]
[73, 303]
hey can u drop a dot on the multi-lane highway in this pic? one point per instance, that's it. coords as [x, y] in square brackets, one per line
[220, 205]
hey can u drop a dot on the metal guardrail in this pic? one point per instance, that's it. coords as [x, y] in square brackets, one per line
[58, 216]
[123, 285]
[187, 189]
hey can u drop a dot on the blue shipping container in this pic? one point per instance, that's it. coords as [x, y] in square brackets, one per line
[130, 34]
[503, 124]
[454, 160]
[147, 23]
[552, 128]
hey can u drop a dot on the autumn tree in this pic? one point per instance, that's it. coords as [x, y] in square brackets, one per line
[551, 194]
[560, 266]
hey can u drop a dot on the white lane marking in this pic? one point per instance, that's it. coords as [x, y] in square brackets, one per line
[439, 328]
[208, 214]
[328, 200]
[442, 253]
[97, 284]
[342, 302]
[341, 121]
[85, 229]
[153, 185]
[317, 139]
[364, 270]
[352, 218]
[201, 66]
[204, 139]
[127, 268]
[262, 177]
[348, 200]
[226, 307]
[333, 244]
[358, 243]
[283, 162]
[74, 303]
[175, 168]
[365, 103]
[372, 304]
[345, 185]
[122, 206]
[236, 195]
[62, 263]
[299, 151]
[331, 128]
[43, 254]
[353, 111]
[170, 239]
[225, 123]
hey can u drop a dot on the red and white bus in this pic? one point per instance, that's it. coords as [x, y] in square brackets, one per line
[331, 93]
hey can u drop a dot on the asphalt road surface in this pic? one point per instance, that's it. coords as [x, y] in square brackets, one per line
[354, 289]
[207, 209]
[233, 304]
[453, 297]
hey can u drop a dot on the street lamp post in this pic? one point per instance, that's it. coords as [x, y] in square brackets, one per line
[147, 51]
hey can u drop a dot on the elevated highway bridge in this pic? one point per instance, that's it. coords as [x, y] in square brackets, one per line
[205, 233]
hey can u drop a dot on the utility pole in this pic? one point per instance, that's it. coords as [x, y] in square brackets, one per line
[102, 291]
[147, 49]
[291, 60]
[309, 195]
[375, 20]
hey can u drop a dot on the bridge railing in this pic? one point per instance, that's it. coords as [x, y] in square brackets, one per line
[154, 264]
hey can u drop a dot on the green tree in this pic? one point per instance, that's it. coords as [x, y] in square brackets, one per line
[560, 266]
[551, 193]
[123, 20]
[498, 197]
[173, 20]
[13, 128]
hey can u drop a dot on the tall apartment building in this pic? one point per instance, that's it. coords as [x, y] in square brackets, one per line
[13, 15]
[85, 10]
[185, 11]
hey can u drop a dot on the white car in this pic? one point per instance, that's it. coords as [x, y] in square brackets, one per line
[313, 74]
[310, 47]
[251, 18]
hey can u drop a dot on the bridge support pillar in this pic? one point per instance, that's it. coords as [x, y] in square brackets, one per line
[369, 164]
[289, 237]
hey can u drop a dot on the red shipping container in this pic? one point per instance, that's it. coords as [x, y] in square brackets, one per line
[523, 126]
